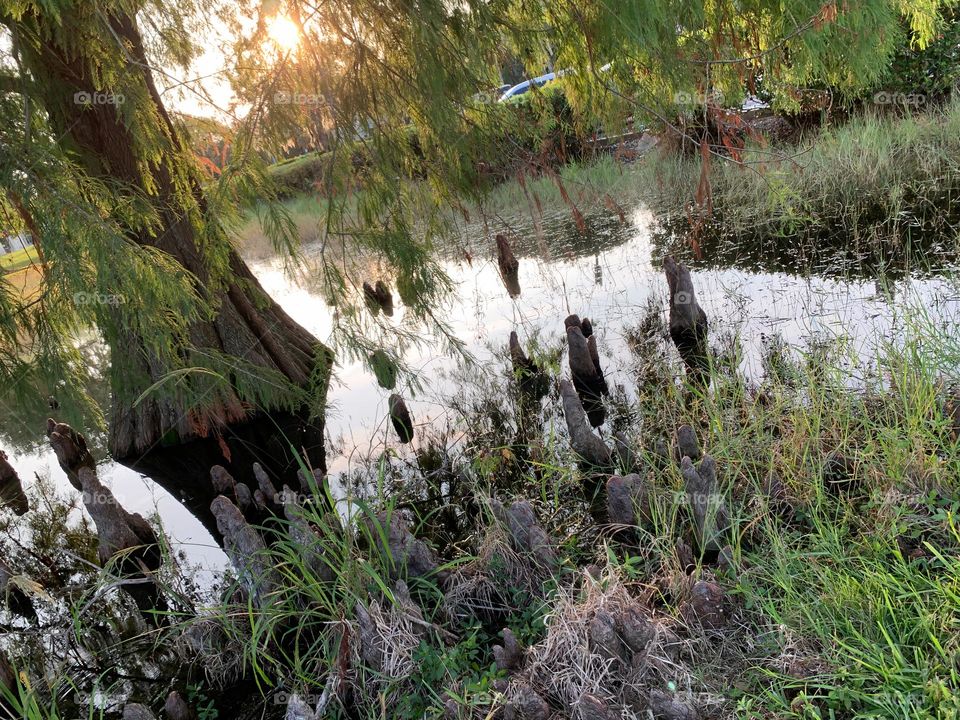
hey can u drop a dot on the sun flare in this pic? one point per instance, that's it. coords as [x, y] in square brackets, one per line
[283, 32]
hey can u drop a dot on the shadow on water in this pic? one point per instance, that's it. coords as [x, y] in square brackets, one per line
[184, 470]
[918, 252]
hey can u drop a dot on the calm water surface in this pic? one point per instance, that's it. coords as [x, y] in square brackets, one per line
[609, 274]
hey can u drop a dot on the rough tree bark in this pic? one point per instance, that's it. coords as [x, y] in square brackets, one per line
[11, 489]
[249, 325]
[710, 517]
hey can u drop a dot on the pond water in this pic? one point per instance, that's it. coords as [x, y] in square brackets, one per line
[609, 273]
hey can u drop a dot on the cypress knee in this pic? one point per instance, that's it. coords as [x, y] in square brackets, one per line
[590, 449]
[588, 379]
[530, 376]
[71, 450]
[688, 322]
[509, 266]
[400, 417]
[120, 534]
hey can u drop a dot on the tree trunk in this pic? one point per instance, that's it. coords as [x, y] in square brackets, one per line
[248, 324]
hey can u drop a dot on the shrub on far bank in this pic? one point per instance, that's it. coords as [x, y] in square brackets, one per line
[931, 73]
[298, 175]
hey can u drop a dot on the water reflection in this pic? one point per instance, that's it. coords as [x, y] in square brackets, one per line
[25, 409]
[610, 280]
[136, 493]
[511, 281]
[838, 255]
[556, 237]
[609, 274]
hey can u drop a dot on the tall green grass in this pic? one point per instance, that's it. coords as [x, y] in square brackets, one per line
[871, 173]
[848, 605]
[856, 597]
[598, 184]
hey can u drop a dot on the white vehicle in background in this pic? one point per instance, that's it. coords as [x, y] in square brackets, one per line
[527, 85]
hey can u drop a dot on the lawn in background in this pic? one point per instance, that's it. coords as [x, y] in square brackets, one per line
[17, 260]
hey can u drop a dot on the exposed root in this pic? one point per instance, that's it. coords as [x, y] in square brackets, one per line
[388, 637]
[484, 588]
[606, 653]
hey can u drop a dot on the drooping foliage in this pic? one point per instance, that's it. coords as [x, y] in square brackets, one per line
[129, 240]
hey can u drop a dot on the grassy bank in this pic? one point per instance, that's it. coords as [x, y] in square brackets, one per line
[875, 175]
[306, 211]
[874, 179]
[835, 595]
[604, 185]
[839, 593]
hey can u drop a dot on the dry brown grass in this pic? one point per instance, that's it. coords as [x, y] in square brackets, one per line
[579, 657]
[25, 281]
